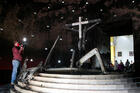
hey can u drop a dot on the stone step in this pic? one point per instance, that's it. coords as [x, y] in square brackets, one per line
[37, 89]
[83, 76]
[78, 86]
[22, 90]
[62, 83]
[12, 90]
[82, 81]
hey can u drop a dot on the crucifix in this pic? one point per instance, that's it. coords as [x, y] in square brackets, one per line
[81, 43]
[82, 34]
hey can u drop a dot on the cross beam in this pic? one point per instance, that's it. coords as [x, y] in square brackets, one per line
[82, 33]
[80, 23]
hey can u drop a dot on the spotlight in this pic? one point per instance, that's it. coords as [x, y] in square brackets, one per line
[71, 50]
[1, 29]
[31, 60]
[61, 17]
[86, 3]
[60, 39]
[19, 20]
[46, 48]
[63, 2]
[114, 15]
[101, 10]
[32, 35]
[73, 10]
[59, 61]
[133, 1]
[47, 26]
[48, 7]
[35, 13]
[24, 39]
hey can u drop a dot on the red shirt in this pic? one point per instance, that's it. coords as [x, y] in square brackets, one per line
[17, 53]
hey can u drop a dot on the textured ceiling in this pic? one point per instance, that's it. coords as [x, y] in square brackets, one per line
[43, 20]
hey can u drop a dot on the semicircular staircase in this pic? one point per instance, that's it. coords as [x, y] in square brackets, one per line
[62, 83]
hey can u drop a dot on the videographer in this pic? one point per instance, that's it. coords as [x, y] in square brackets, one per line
[17, 58]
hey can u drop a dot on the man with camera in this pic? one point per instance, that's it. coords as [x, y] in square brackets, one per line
[17, 58]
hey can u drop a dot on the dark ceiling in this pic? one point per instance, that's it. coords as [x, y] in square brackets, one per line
[41, 21]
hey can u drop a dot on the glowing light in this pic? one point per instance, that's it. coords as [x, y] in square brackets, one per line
[19, 20]
[31, 60]
[32, 35]
[86, 3]
[61, 39]
[101, 10]
[46, 48]
[24, 39]
[35, 13]
[133, 1]
[71, 50]
[62, 17]
[59, 61]
[73, 10]
[48, 7]
[47, 26]
[1, 29]
[115, 15]
[63, 2]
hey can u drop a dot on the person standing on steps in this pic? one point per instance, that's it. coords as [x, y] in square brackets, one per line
[17, 58]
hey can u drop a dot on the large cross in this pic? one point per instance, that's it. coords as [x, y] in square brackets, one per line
[80, 23]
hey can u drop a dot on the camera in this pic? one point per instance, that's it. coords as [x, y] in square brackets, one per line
[22, 45]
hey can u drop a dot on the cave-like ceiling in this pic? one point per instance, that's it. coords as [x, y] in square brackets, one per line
[40, 20]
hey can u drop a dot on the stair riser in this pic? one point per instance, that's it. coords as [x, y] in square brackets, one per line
[82, 81]
[23, 90]
[51, 90]
[83, 76]
[80, 86]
